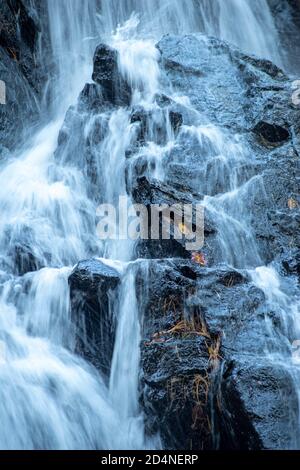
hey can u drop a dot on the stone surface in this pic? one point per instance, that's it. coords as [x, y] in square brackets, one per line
[21, 69]
[93, 293]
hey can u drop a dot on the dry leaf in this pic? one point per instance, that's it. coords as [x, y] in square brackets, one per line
[292, 204]
[199, 258]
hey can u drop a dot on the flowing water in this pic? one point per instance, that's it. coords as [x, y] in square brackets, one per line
[49, 397]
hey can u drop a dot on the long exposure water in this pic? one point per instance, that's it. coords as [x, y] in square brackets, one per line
[49, 397]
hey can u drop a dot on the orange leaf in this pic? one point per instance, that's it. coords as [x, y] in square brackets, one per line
[199, 258]
[292, 204]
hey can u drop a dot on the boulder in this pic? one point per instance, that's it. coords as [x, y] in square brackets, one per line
[225, 85]
[271, 134]
[150, 193]
[21, 69]
[115, 88]
[206, 380]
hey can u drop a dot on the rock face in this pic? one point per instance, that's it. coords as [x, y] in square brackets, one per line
[252, 97]
[114, 88]
[93, 294]
[206, 379]
[287, 20]
[20, 69]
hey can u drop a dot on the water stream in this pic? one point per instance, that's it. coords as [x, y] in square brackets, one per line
[49, 397]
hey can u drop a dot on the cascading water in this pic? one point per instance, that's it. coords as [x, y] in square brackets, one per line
[241, 22]
[50, 398]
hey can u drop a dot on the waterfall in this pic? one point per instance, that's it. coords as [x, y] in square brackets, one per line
[246, 23]
[49, 397]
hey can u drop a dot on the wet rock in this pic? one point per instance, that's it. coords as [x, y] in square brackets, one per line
[206, 380]
[156, 125]
[91, 98]
[21, 69]
[287, 20]
[115, 88]
[25, 260]
[152, 193]
[93, 292]
[262, 392]
[271, 134]
[290, 262]
[275, 208]
[176, 120]
[230, 88]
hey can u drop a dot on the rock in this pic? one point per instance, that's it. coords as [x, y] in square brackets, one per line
[150, 193]
[24, 260]
[248, 94]
[21, 69]
[290, 261]
[91, 98]
[115, 89]
[228, 87]
[287, 20]
[93, 293]
[206, 380]
[24, 254]
[176, 121]
[155, 125]
[271, 134]
[265, 393]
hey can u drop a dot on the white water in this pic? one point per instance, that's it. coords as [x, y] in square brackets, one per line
[50, 398]
[246, 23]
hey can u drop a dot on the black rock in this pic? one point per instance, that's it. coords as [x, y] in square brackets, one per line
[207, 383]
[271, 134]
[24, 260]
[93, 293]
[22, 70]
[115, 88]
[152, 193]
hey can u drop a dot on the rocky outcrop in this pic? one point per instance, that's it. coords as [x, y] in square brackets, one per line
[252, 97]
[287, 19]
[93, 292]
[20, 69]
[206, 379]
[114, 88]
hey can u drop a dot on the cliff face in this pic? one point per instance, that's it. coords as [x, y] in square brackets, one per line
[206, 381]
[287, 19]
[21, 69]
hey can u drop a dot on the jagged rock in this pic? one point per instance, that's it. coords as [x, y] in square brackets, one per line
[93, 287]
[115, 88]
[154, 125]
[206, 378]
[206, 381]
[24, 260]
[290, 262]
[230, 88]
[271, 134]
[21, 70]
[287, 20]
[150, 193]
[91, 98]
